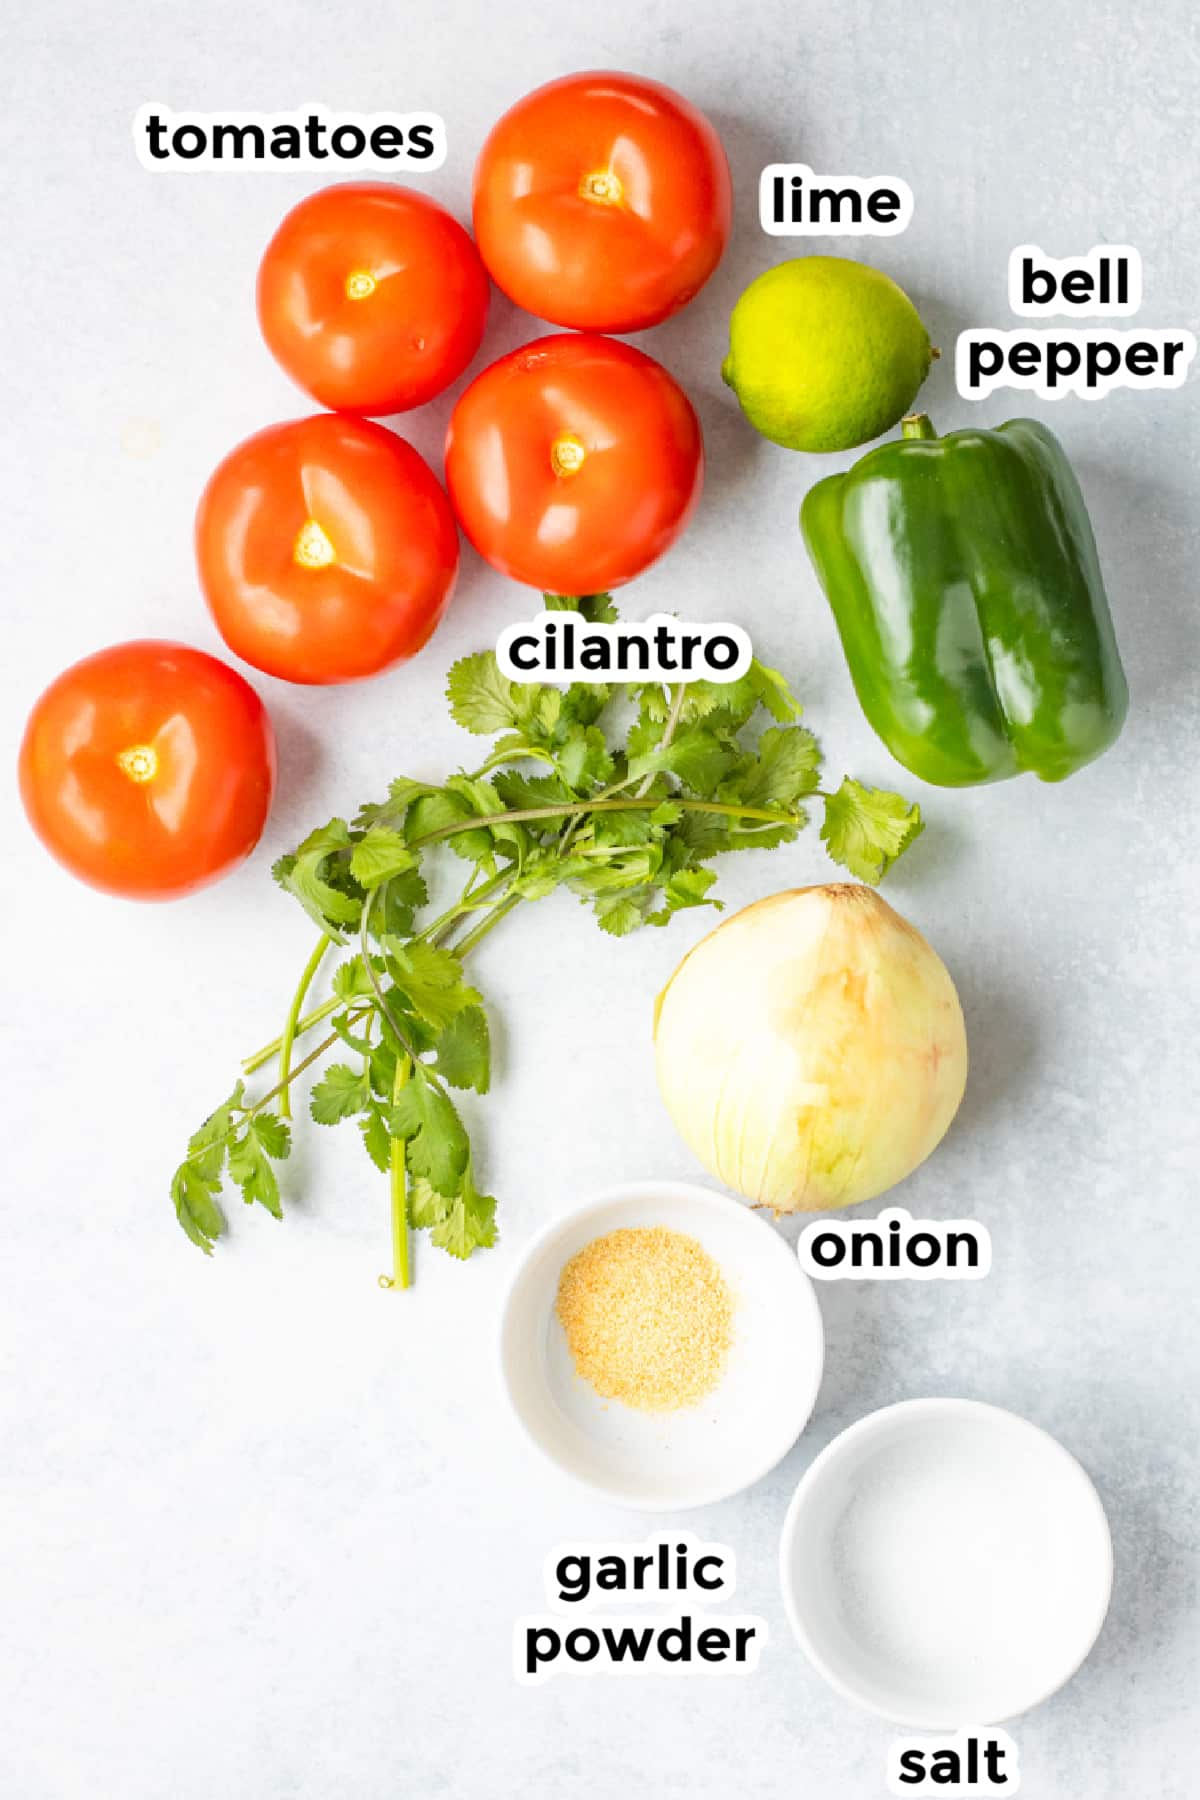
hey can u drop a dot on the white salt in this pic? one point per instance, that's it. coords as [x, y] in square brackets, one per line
[944, 1560]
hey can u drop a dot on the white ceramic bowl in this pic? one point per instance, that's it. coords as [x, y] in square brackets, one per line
[946, 1564]
[658, 1462]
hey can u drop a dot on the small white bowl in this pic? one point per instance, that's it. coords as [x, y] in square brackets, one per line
[946, 1564]
[659, 1462]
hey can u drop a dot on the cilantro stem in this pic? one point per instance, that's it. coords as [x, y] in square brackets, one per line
[480, 931]
[398, 1182]
[251, 1064]
[470, 901]
[299, 1068]
[293, 1019]
[519, 816]
[248, 1112]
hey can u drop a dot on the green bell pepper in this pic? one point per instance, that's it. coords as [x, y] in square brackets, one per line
[963, 577]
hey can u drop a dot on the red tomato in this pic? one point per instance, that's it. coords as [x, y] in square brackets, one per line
[602, 201]
[574, 463]
[372, 297]
[148, 768]
[327, 549]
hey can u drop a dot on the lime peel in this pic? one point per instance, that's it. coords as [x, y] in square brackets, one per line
[825, 353]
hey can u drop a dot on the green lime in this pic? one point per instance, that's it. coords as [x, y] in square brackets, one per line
[825, 353]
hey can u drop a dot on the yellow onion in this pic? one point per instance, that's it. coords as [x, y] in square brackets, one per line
[811, 1050]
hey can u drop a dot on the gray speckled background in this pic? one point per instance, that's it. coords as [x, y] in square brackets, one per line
[265, 1530]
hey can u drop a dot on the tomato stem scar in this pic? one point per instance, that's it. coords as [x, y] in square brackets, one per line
[312, 549]
[360, 284]
[567, 454]
[602, 186]
[139, 762]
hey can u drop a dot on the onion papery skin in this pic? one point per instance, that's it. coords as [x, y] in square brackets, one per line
[811, 1050]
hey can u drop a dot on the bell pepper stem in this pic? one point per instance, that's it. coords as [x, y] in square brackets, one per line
[917, 425]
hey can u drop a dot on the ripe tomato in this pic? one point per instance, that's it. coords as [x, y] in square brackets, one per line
[148, 768]
[372, 297]
[574, 463]
[327, 549]
[602, 201]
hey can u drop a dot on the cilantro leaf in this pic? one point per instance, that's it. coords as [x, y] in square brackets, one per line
[196, 1183]
[584, 759]
[353, 1040]
[729, 705]
[350, 980]
[376, 1138]
[626, 869]
[619, 914]
[481, 698]
[426, 1207]
[431, 980]
[540, 708]
[753, 836]
[623, 830]
[316, 873]
[437, 1144]
[434, 812]
[196, 1206]
[380, 855]
[597, 609]
[464, 1051]
[701, 700]
[866, 829]
[485, 801]
[653, 704]
[773, 692]
[392, 811]
[687, 887]
[709, 834]
[583, 703]
[395, 912]
[469, 1223]
[207, 1147]
[382, 1066]
[786, 767]
[340, 1093]
[521, 791]
[542, 874]
[694, 754]
[272, 1133]
[265, 1136]
[458, 1223]
[515, 744]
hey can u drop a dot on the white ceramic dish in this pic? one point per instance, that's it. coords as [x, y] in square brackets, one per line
[946, 1564]
[658, 1462]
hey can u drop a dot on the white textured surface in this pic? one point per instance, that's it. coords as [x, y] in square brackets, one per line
[264, 1528]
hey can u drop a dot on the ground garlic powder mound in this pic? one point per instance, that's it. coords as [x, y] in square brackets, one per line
[647, 1315]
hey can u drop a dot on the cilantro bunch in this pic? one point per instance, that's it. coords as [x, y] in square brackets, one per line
[624, 795]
